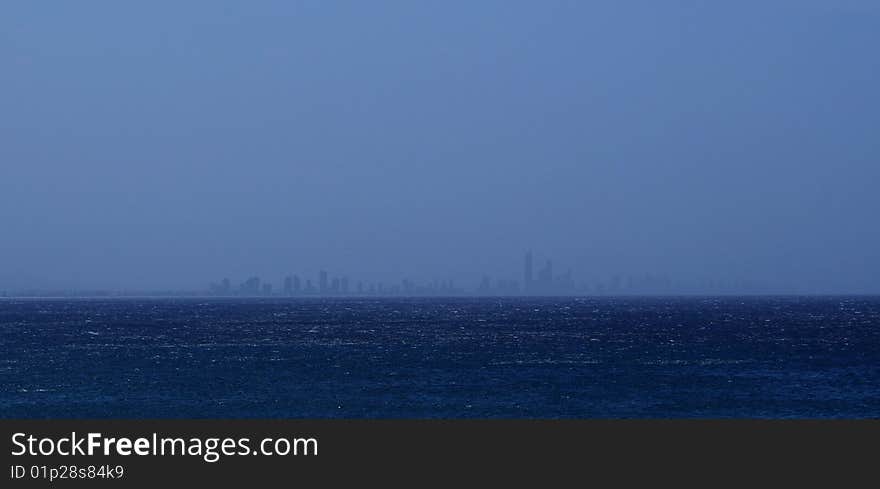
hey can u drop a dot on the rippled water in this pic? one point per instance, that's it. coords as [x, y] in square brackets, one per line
[592, 357]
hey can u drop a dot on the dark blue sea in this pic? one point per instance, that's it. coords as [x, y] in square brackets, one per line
[783, 357]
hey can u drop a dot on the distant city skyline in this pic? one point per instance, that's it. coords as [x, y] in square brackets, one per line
[543, 283]
[534, 280]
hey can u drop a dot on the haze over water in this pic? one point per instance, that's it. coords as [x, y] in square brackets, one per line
[169, 144]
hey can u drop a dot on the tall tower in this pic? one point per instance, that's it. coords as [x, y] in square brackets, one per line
[322, 282]
[527, 282]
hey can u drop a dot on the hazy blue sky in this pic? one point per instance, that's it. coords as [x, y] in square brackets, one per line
[169, 143]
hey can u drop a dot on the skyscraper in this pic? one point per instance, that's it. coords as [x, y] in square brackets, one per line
[545, 278]
[322, 282]
[485, 286]
[528, 272]
[250, 286]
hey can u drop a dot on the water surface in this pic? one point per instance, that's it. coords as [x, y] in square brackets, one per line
[463, 357]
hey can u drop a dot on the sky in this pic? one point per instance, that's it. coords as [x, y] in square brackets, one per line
[167, 144]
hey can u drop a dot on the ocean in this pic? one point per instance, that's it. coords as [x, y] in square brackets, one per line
[622, 357]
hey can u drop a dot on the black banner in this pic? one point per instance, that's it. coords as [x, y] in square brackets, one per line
[126, 452]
